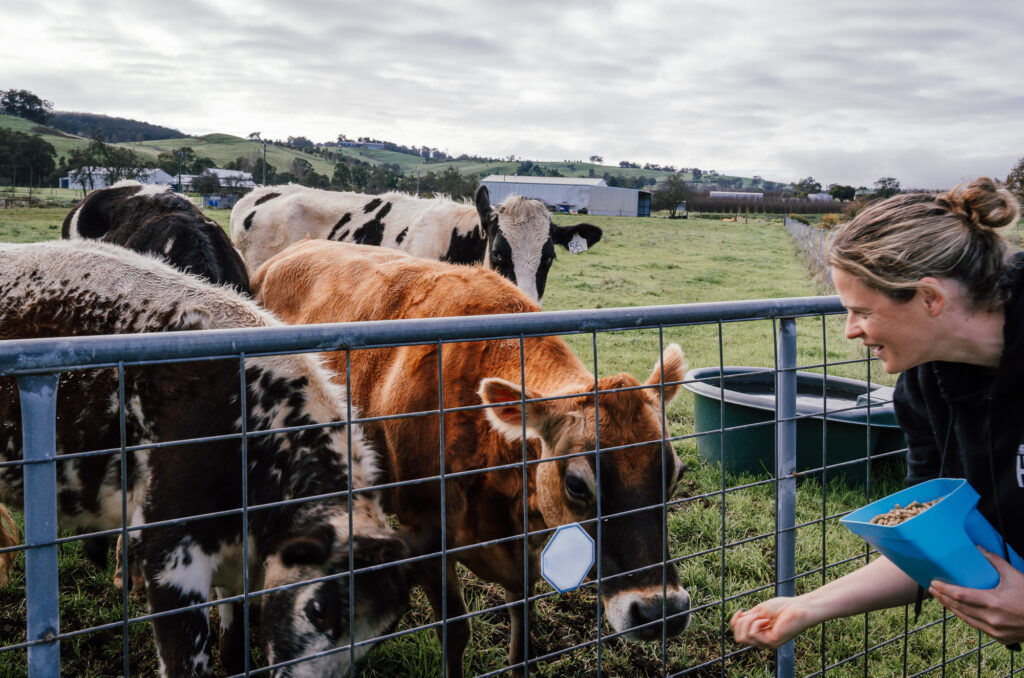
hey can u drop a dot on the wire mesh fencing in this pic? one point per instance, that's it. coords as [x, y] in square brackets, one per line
[783, 426]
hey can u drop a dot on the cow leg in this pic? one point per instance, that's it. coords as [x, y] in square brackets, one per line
[232, 635]
[458, 630]
[178, 577]
[517, 628]
[95, 549]
[134, 579]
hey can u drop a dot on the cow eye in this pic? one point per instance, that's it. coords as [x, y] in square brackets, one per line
[317, 616]
[576, 488]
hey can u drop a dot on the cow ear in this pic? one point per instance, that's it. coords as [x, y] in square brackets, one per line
[673, 366]
[563, 234]
[311, 548]
[507, 414]
[483, 204]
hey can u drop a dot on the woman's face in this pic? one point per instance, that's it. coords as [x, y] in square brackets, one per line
[896, 333]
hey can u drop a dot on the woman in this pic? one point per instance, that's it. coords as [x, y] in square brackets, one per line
[931, 288]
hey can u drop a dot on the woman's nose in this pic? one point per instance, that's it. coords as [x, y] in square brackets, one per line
[852, 327]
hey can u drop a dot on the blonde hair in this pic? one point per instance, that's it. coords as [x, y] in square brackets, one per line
[892, 244]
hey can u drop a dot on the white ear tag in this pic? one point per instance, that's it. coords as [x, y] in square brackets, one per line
[577, 244]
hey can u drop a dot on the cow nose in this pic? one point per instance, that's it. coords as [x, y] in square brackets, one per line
[646, 615]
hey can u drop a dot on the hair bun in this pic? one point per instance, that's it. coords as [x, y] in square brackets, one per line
[982, 204]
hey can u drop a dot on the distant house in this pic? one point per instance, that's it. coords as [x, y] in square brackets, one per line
[101, 179]
[572, 194]
[227, 179]
[234, 178]
[363, 144]
[822, 197]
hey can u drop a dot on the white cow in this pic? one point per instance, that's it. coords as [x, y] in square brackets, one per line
[517, 239]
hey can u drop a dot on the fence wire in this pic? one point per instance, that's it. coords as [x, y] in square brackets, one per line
[755, 515]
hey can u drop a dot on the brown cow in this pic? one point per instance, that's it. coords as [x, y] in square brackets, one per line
[319, 281]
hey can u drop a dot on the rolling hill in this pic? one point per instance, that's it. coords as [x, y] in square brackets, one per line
[223, 148]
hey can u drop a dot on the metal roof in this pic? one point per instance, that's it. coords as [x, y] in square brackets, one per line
[564, 181]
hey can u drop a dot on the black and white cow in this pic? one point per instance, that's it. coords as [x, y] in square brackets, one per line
[66, 288]
[517, 239]
[154, 219]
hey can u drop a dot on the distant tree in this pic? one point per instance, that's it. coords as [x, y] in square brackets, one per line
[316, 180]
[552, 172]
[123, 163]
[524, 169]
[597, 159]
[756, 181]
[670, 193]
[300, 166]
[24, 104]
[191, 163]
[840, 192]
[886, 187]
[207, 184]
[113, 130]
[341, 180]
[83, 163]
[696, 173]
[626, 164]
[806, 186]
[267, 177]
[360, 177]
[29, 159]
[116, 163]
[1015, 180]
[302, 143]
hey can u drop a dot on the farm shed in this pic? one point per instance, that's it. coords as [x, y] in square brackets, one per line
[100, 179]
[572, 194]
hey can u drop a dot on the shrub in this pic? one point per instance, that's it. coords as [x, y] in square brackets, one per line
[797, 217]
[831, 220]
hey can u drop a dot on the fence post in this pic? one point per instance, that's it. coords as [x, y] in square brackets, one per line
[785, 489]
[39, 445]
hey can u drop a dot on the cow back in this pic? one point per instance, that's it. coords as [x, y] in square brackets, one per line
[156, 220]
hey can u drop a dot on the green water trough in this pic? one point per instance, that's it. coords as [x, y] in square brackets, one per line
[839, 421]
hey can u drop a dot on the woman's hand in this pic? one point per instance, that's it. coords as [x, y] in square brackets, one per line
[877, 585]
[998, 612]
[769, 624]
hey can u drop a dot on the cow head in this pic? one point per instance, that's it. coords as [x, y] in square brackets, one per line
[638, 472]
[521, 240]
[315, 618]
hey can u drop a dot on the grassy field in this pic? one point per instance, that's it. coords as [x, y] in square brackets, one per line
[721, 526]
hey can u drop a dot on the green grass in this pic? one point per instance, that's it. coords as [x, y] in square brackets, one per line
[721, 530]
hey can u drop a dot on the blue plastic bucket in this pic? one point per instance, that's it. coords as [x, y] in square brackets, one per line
[938, 543]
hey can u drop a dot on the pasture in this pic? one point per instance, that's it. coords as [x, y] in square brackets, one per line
[721, 526]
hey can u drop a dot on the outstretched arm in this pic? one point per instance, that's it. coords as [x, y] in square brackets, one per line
[877, 585]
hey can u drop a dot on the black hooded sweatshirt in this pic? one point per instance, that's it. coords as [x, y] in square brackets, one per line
[966, 421]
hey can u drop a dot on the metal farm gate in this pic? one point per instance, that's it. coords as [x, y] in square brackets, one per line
[736, 537]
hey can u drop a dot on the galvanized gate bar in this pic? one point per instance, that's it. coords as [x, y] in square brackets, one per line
[785, 466]
[38, 395]
[25, 355]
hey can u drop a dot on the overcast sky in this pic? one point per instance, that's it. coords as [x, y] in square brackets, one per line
[931, 93]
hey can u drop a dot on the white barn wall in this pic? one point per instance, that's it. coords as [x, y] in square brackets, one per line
[614, 202]
[590, 194]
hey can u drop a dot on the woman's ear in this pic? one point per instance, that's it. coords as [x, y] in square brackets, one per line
[934, 294]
